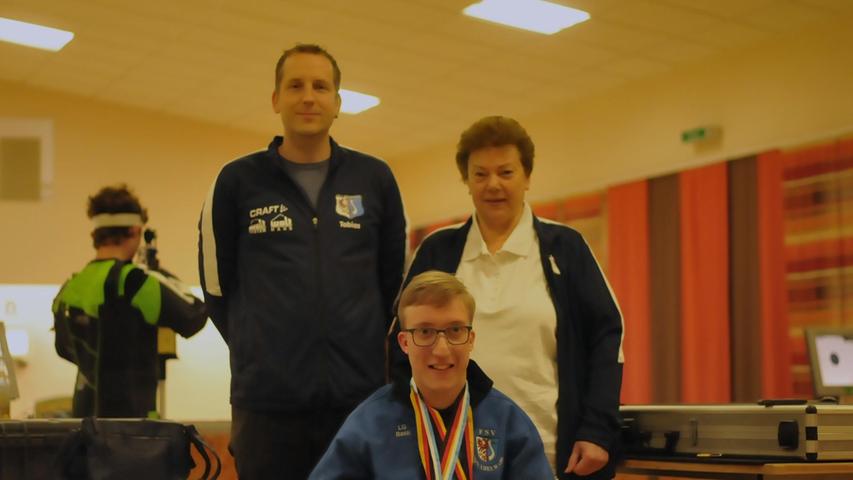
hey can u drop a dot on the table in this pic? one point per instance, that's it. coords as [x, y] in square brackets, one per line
[740, 471]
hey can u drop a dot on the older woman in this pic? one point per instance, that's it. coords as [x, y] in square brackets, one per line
[549, 328]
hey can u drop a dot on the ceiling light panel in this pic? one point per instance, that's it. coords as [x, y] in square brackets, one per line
[355, 102]
[32, 35]
[534, 15]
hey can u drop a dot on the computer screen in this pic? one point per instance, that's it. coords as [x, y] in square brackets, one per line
[831, 358]
[8, 383]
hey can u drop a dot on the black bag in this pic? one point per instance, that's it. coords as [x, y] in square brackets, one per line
[130, 449]
[28, 447]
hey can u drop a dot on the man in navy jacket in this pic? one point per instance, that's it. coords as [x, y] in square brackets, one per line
[301, 254]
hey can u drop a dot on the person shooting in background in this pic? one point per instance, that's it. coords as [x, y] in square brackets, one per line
[106, 316]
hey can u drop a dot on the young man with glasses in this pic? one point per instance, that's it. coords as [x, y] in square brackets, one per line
[447, 421]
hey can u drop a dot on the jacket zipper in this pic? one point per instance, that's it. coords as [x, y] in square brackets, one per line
[324, 367]
[324, 396]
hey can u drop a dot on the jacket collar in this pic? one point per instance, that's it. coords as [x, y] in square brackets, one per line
[479, 385]
[335, 158]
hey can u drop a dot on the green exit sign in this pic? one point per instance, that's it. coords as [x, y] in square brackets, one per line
[700, 134]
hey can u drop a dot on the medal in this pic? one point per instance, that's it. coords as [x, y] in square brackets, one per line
[428, 421]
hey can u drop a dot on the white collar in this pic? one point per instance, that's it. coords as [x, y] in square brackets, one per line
[518, 243]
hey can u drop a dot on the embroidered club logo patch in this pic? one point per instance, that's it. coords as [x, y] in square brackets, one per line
[349, 206]
[485, 449]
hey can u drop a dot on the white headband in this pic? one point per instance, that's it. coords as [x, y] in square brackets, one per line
[117, 220]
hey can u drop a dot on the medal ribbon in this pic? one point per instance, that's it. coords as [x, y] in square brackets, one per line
[427, 420]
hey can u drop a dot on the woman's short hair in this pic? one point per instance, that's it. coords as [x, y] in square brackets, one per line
[494, 131]
[436, 289]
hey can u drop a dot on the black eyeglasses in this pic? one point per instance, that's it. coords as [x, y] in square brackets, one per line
[427, 336]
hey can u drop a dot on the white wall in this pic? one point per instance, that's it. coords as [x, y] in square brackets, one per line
[170, 162]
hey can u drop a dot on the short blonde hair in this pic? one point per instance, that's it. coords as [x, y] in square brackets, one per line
[437, 289]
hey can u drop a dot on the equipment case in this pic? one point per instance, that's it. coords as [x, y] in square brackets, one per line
[766, 431]
[28, 448]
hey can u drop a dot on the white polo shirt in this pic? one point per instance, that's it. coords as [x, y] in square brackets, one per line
[515, 321]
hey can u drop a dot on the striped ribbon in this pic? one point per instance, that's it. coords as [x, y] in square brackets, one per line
[428, 420]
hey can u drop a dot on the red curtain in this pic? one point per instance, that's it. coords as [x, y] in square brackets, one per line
[705, 349]
[628, 272]
[776, 380]
[550, 210]
[582, 206]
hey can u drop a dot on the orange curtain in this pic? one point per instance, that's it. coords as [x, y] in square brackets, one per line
[628, 271]
[705, 349]
[776, 379]
[417, 235]
[582, 206]
[550, 210]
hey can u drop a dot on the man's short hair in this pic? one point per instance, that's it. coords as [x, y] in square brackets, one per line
[114, 199]
[436, 289]
[306, 48]
[494, 131]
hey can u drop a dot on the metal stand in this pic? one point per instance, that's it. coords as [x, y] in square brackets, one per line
[4, 405]
[161, 397]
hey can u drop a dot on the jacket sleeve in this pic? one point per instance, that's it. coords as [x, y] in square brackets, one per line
[165, 301]
[525, 454]
[217, 250]
[602, 330]
[62, 341]
[392, 246]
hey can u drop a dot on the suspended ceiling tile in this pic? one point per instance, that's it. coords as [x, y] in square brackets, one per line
[20, 62]
[729, 35]
[576, 54]
[784, 16]
[680, 52]
[636, 67]
[621, 38]
[416, 16]
[429, 64]
[838, 6]
[721, 8]
[659, 17]
[590, 82]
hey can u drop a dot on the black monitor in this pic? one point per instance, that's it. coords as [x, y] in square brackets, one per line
[8, 383]
[831, 359]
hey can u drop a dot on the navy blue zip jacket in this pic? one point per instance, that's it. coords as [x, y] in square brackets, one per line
[378, 441]
[302, 296]
[589, 333]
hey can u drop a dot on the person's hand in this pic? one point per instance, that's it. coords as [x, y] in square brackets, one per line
[586, 458]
